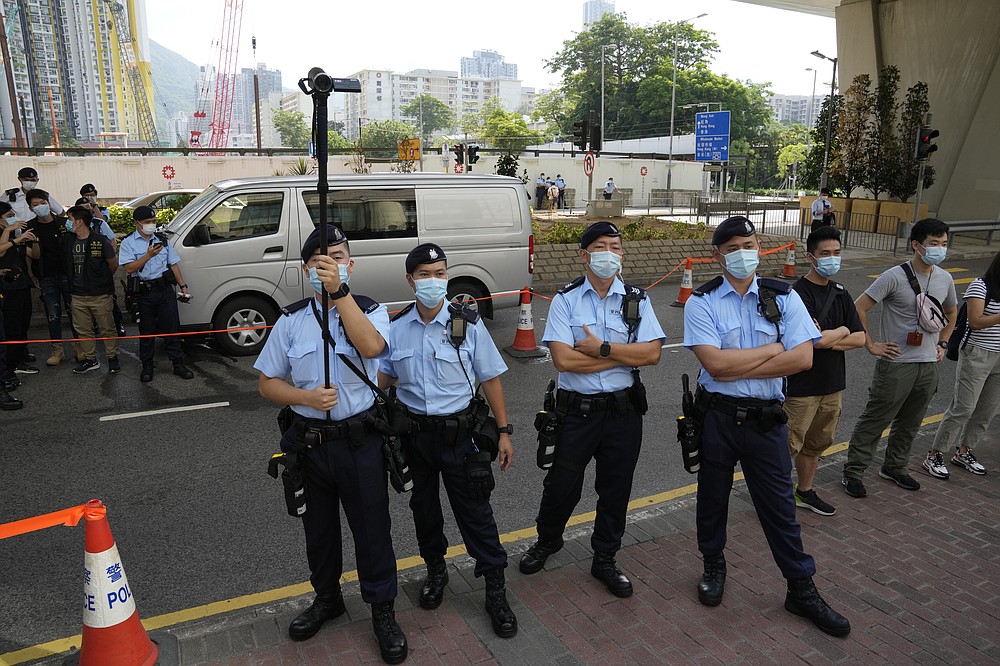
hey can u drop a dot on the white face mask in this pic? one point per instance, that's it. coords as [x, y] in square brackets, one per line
[149, 229]
[29, 184]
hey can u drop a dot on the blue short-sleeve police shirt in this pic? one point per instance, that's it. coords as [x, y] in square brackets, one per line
[135, 245]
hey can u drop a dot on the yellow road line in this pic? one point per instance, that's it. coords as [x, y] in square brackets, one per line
[965, 280]
[282, 593]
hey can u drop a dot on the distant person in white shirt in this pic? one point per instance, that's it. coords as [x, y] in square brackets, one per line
[822, 210]
[609, 189]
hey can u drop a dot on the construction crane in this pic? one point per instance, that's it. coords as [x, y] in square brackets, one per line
[129, 61]
[225, 81]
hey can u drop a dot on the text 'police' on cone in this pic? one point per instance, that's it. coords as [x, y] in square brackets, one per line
[524, 339]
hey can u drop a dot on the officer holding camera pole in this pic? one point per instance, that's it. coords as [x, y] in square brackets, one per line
[748, 334]
[599, 331]
[147, 256]
[438, 352]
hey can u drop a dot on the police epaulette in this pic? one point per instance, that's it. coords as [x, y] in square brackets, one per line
[775, 285]
[402, 313]
[367, 305]
[637, 292]
[12, 193]
[465, 312]
[572, 285]
[708, 287]
[295, 307]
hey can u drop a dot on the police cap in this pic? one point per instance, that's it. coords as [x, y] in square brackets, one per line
[143, 213]
[425, 253]
[88, 189]
[732, 226]
[334, 236]
[596, 230]
[27, 172]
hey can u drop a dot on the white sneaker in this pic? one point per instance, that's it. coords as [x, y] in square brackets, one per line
[934, 465]
[969, 462]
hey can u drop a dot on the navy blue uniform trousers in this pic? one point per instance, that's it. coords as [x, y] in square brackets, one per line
[763, 455]
[613, 441]
[158, 314]
[431, 462]
[339, 473]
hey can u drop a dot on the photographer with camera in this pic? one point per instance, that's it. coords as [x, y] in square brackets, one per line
[15, 287]
[146, 253]
[99, 224]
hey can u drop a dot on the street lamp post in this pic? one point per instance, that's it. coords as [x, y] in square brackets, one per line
[812, 107]
[673, 100]
[603, 47]
[829, 120]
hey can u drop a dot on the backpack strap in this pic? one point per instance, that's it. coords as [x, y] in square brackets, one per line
[911, 277]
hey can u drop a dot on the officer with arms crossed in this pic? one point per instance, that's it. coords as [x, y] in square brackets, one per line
[437, 354]
[340, 455]
[600, 401]
[747, 335]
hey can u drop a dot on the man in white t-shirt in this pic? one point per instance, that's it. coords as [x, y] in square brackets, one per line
[822, 210]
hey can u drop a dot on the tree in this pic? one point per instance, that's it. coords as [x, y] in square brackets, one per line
[45, 137]
[555, 108]
[849, 163]
[337, 126]
[336, 141]
[436, 114]
[903, 184]
[509, 132]
[813, 168]
[882, 147]
[292, 127]
[381, 138]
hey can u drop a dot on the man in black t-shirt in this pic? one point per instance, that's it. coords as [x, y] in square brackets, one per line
[813, 399]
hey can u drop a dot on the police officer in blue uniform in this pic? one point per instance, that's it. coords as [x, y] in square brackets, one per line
[599, 332]
[158, 266]
[437, 354]
[748, 333]
[330, 430]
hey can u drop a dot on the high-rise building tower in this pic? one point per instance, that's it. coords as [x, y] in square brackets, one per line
[593, 10]
[487, 65]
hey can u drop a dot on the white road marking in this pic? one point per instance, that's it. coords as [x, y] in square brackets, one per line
[675, 344]
[169, 410]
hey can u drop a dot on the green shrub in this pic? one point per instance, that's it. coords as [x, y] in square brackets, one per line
[637, 231]
[563, 233]
[121, 221]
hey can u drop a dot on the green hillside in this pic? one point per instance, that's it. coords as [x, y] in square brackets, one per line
[175, 88]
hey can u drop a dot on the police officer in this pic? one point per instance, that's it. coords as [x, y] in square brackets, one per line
[597, 347]
[341, 457]
[158, 267]
[748, 333]
[437, 355]
[17, 197]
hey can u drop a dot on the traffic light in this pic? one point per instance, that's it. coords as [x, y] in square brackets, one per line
[925, 136]
[580, 131]
[459, 151]
[595, 137]
[473, 154]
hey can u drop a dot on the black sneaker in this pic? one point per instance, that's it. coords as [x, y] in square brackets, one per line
[183, 371]
[113, 366]
[902, 479]
[854, 487]
[30, 358]
[25, 369]
[9, 381]
[808, 499]
[86, 365]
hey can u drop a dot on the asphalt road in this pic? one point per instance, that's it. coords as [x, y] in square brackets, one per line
[195, 516]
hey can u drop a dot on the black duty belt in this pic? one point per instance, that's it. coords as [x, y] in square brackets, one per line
[155, 283]
[458, 423]
[742, 409]
[585, 403]
[320, 431]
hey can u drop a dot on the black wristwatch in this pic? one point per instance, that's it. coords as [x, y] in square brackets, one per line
[509, 429]
[340, 293]
[605, 349]
[943, 344]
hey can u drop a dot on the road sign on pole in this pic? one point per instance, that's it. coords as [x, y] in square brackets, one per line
[643, 171]
[711, 136]
[588, 164]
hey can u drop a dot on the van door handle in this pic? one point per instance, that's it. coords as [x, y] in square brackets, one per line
[274, 248]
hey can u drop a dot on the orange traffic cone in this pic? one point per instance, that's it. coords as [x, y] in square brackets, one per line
[687, 285]
[524, 339]
[112, 632]
[788, 270]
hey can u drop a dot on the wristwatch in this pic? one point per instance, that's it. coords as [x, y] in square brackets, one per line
[943, 344]
[605, 349]
[340, 293]
[509, 429]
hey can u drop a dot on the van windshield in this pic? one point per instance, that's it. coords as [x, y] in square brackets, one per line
[193, 205]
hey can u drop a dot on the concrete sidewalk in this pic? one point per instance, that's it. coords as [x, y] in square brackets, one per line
[915, 572]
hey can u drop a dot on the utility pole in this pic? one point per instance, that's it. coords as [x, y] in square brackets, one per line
[11, 93]
[256, 94]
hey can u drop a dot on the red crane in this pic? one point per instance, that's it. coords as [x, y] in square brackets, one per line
[225, 81]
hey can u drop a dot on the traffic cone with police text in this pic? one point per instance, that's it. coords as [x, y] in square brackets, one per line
[687, 285]
[788, 270]
[112, 632]
[524, 338]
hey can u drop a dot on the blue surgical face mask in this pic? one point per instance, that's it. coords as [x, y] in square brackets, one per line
[605, 264]
[69, 226]
[431, 291]
[317, 284]
[934, 255]
[742, 263]
[827, 266]
[42, 210]
[344, 277]
[11, 221]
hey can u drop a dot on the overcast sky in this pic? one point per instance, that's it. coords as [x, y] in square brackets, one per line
[756, 43]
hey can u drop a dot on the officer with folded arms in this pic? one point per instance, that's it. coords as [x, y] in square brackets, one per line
[438, 352]
[597, 346]
[748, 334]
[340, 455]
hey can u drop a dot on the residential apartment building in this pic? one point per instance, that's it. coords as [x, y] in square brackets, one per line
[593, 10]
[796, 108]
[487, 65]
[268, 81]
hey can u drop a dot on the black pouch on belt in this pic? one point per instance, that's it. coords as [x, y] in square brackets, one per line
[292, 480]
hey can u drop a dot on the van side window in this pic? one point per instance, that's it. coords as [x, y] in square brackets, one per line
[245, 216]
[371, 213]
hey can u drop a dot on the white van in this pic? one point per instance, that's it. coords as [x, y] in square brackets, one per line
[239, 243]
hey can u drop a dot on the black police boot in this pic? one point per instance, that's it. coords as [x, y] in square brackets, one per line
[324, 607]
[432, 591]
[147, 373]
[9, 381]
[9, 403]
[606, 570]
[501, 616]
[182, 370]
[534, 558]
[803, 600]
[391, 640]
[713, 581]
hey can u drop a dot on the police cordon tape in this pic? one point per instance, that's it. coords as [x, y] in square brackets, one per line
[701, 260]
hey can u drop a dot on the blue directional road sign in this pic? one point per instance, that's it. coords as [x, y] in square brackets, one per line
[711, 136]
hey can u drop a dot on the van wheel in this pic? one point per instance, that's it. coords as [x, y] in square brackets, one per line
[472, 295]
[242, 312]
